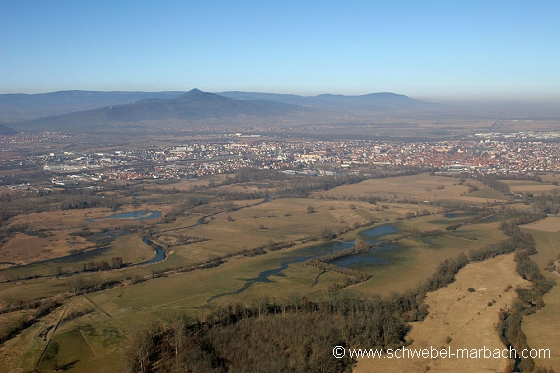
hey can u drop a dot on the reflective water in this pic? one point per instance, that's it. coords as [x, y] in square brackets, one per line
[160, 252]
[136, 215]
[379, 256]
[132, 215]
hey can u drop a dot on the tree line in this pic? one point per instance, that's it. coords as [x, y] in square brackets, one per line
[55, 200]
[528, 301]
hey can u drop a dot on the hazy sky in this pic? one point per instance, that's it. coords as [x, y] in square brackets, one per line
[425, 49]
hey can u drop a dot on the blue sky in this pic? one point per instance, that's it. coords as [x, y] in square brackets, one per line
[439, 50]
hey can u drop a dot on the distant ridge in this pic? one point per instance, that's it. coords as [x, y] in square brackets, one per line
[152, 110]
[5, 130]
[19, 106]
[24, 107]
[193, 105]
[381, 100]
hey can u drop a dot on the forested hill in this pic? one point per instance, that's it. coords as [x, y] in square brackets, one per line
[4, 130]
[193, 105]
[19, 106]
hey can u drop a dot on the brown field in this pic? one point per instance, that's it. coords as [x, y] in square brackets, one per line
[459, 319]
[419, 187]
[130, 248]
[59, 219]
[278, 220]
[548, 224]
[104, 319]
[529, 186]
[246, 187]
[549, 177]
[419, 260]
[50, 233]
[184, 185]
[52, 238]
[25, 249]
[5, 190]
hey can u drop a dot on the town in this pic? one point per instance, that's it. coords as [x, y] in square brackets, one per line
[525, 153]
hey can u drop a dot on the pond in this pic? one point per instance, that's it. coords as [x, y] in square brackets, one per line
[106, 237]
[493, 218]
[132, 215]
[383, 255]
[379, 256]
[137, 215]
[375, 232]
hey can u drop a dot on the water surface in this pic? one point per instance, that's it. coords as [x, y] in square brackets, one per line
[132, 215]
[379, 256]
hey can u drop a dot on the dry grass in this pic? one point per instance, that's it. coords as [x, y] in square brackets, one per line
[463, 317]
[279, 220]
[184, 185]
[548, 224]
[282, 220]
[419, 260]
[59, 219]
[25, 249]
[549, 177]
[419, 187]
[529, 186]
[50, 233]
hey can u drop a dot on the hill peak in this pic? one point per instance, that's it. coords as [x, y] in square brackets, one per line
[198, 95]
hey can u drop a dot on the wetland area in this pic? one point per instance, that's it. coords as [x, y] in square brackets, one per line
[385, 255]
[211, 251]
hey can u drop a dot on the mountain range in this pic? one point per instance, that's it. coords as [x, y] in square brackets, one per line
[18, 106]
[79, 111]
[380, 101]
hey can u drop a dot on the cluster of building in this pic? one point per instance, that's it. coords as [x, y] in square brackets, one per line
[31, 138]
[485, 153]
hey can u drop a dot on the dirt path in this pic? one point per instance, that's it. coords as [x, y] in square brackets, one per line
[52, 335]
[101, 310]
[460, 319]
